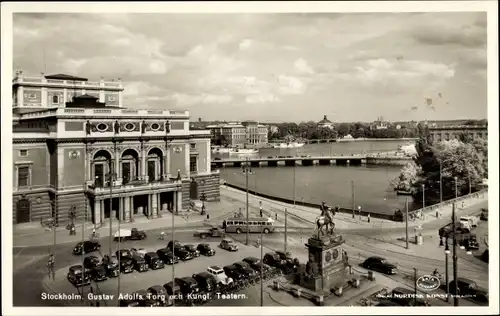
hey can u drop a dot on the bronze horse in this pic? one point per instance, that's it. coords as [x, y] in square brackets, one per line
[324, 223]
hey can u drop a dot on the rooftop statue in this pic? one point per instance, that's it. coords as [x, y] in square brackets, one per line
[324, 224]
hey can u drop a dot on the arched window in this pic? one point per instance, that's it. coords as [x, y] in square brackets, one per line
[55, 99]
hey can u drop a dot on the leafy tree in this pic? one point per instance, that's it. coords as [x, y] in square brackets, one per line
[407, 177]
[343, 129]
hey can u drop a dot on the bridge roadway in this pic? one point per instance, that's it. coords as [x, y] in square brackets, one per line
[351, 159]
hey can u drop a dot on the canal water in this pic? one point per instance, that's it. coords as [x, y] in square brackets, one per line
[333, 184]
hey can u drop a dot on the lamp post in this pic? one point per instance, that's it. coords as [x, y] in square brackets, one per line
[440, 182]
[203, 198]
[446, 275]
[294, 185]
[111, 176]
[455, 259]
[247, 169]
[359, 212]
[406, 221]
[423, 196]
[262, 268]
[352, 198]
[456, 187]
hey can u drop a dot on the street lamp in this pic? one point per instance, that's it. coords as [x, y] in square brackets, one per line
[352, 198]
[359, 212]
[203, 198]
[111, 176]
[456, 187]
[446, 253]
[247, 169]
[423, 196]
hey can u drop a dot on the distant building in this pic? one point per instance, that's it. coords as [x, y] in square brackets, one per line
[380, 124]
[239, 133]
[325, 123]
[450, 132]
[273, 129]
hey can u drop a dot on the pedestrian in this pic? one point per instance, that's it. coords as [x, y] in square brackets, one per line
[260, 208]
[276, 215]
[208, 217]
[51, 265]
[368, 217]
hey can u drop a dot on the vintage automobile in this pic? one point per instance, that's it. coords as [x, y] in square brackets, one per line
[129, 234]
[206, 250]
[141, 252]
[173, 289]
[154, 261]
[219, 275]
[233, 272]
[484, 214]
[212, 232]
[228, 244]
[468, 287]
[167, 256]
[172, 243]
[129, 301]
[145, 299]
[125, 259]
[75, 276]
[472, 220]
[245, 269]
[470, 242]
[111, 265]
[379, 264]
[188, 285]
[91, 261]
[291, 263]
[140, 264]
[159, 293]
[98, 273]
[87, 246]
[192, 250]
[405, 297]
[256, 264]
[182, 254]
[274, 260]
[206, 281]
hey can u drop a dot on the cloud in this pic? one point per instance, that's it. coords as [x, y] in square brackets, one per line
[245, 44]
[302, 67]
[262, 98]
[189, 100]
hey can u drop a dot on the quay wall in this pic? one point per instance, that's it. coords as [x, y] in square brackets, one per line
[428, 210]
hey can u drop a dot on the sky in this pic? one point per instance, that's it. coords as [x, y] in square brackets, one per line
[272, 67]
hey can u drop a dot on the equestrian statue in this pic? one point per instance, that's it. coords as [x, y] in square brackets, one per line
[324, 223]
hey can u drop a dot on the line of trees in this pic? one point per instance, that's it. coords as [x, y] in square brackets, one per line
[465, 158]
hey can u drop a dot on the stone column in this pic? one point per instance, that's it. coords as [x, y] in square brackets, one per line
[126, 201]
[143, 164]
[154, 204]
[131, 203]
[167, 161]
[101, 203]
[97, 212]
[150, 214]
[117, 166]
[158, 202]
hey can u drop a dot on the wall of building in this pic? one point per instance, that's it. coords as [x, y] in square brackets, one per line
[37, 158]
[204, 154]
[40, 207]
[72, 165]
[178, 159]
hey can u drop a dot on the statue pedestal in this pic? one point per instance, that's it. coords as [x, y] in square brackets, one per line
[327, 266]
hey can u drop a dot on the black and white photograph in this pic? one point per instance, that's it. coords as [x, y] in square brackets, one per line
[285, 157]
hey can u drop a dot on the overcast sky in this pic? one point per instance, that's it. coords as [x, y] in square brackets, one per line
[272, 67]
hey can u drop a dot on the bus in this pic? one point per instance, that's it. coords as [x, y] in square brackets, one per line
[238, 225]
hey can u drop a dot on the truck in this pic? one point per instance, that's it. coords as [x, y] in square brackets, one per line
[212, 232]
[463, 236]
[129, 234]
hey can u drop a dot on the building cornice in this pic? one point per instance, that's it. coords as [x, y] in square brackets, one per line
[116, 138]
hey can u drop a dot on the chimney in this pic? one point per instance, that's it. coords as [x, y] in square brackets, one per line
[324, 117]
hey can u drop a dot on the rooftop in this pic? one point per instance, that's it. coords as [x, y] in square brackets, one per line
[324, 120]
[65, 77]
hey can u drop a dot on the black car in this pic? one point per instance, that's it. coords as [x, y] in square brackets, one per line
[91, 262]
[233, 272]
[206, 281]
[188, 285]
[192, 250]
[154, 261]
[206, 250]
[129, 301]
[111, 265]
[274, 260]
[159, 293]
[182, 254]
[256, 264]
[405, 297]
[166, 256]
[471, 243]
[175, 242]
[468, 287]
[379, 264]
[146, 299]
[290, 262]
[140, 264]
[99, 273]
[245, 269]
[75, 276]
[126, 262]
[174, 290]
[88, 246]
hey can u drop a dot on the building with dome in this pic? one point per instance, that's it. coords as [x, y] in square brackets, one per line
[76, 145]
[325, 123]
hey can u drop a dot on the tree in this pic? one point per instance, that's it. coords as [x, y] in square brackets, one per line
[407, 177]
[343, 129]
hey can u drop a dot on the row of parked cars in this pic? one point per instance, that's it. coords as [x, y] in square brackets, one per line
[225, 279]
[129, 260]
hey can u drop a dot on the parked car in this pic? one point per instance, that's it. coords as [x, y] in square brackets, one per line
[473, 220]
[125, 258]
[212, 232]
[145, 299]
[245, 269]
[484, 214]
[233, 272]
[167, 256]
[173, 289]
[192, 250]
[78, 276]
[405, 297]
[471, 243]
[219, 275]
[206, 250]
[129, 234]
[274, 260]
[228, 244]
[160, 294]
[206, 281]
[175, 242]
[88, 246]
[90, 262]
[141, 252]
[153, 260]
[256, 264]
[129, 302]
[140, 264]
[98, 273]
[379, 264]
[111, 265]
[469, 287]
[188, 285]
[290, 262]
[182, 254]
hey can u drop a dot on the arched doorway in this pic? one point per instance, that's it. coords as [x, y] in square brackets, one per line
[129, 165]
[155, 164]
[23, 210]
[193, 190]
[101, 163]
